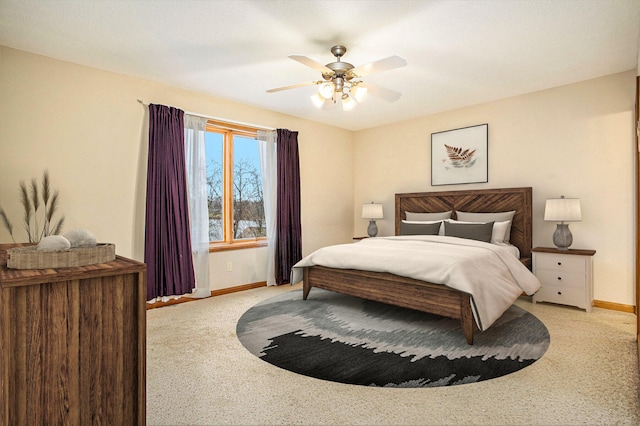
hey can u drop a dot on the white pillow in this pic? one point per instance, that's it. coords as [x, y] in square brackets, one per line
[488, 217]
[499, 232]
[440, 232]
[427, 216]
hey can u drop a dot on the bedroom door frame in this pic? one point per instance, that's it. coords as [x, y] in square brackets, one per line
[637, 248]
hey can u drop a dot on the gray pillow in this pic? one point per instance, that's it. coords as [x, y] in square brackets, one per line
[486, 217]
[428, 216]
[471, 231]
[419, 228]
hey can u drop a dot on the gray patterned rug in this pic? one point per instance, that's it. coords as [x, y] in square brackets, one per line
[345, 339]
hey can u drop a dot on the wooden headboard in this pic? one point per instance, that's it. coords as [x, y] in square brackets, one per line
[478, 201]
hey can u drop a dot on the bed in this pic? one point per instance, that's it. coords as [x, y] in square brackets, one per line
[421, 295]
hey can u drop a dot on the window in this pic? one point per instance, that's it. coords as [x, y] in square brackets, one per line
[234, 185]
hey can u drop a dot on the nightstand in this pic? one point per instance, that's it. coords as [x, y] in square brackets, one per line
[566, 276]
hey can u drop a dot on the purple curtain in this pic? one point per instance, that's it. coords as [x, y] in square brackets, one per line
[167, 251]
[288, 225]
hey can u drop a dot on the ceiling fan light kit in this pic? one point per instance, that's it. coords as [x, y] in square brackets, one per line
[318, 100]
[359, 93]
[326, 90]
[341, 80]
[348, 103]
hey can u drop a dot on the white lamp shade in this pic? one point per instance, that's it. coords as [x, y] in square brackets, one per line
[563, 210]
[347, 103]
[318, 100]
[326, 90]
[359, 93]
[372, 211]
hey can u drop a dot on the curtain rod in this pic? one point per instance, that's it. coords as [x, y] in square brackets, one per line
[210, 117]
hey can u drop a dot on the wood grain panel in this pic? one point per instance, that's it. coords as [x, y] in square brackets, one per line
[73, 347]
[477, 201]
[394, 290]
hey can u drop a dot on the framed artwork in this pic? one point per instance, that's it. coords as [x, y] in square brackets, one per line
[460, 156]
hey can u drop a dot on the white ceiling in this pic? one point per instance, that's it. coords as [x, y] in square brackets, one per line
[459, 53]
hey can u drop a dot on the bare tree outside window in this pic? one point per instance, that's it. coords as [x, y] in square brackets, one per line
[215, 200]
[247, 221]
[248, 204]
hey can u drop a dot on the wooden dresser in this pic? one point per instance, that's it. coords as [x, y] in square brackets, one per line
[73, 344]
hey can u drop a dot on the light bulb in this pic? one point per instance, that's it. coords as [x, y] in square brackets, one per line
[326, 90]
[359, 93]
[347, 103]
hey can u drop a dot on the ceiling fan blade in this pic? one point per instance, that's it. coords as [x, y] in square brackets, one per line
[381, 92]
[385, 64]
[311, 63]
[293, 86]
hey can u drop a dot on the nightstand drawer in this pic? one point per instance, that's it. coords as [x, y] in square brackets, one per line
[573, 296]
[561, 278]
[566, 276]
[560, 262]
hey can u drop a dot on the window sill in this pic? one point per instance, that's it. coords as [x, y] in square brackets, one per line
[215, 247]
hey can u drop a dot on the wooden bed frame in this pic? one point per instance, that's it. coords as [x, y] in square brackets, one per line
[421, 295]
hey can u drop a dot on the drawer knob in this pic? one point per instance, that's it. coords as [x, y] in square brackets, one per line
[559, 263]
[559, 278]
[560, 293]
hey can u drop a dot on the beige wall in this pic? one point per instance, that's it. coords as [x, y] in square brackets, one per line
[87, 128]
[575, 140]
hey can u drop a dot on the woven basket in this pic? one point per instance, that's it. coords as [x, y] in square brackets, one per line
[32, 258]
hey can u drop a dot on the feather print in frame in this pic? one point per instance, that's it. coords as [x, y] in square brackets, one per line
[460, 156]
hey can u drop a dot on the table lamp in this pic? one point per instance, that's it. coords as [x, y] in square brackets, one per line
[562, 210]
[372, 211]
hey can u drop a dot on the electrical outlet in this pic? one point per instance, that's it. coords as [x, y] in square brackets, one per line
[229, 266]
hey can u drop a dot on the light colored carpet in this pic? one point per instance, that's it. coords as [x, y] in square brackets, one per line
[198, 373]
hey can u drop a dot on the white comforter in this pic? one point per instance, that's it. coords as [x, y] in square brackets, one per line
[490, 273]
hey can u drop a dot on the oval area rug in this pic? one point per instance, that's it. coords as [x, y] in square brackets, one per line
[346, 339]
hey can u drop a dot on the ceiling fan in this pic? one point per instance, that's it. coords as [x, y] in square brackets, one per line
[341, 80]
